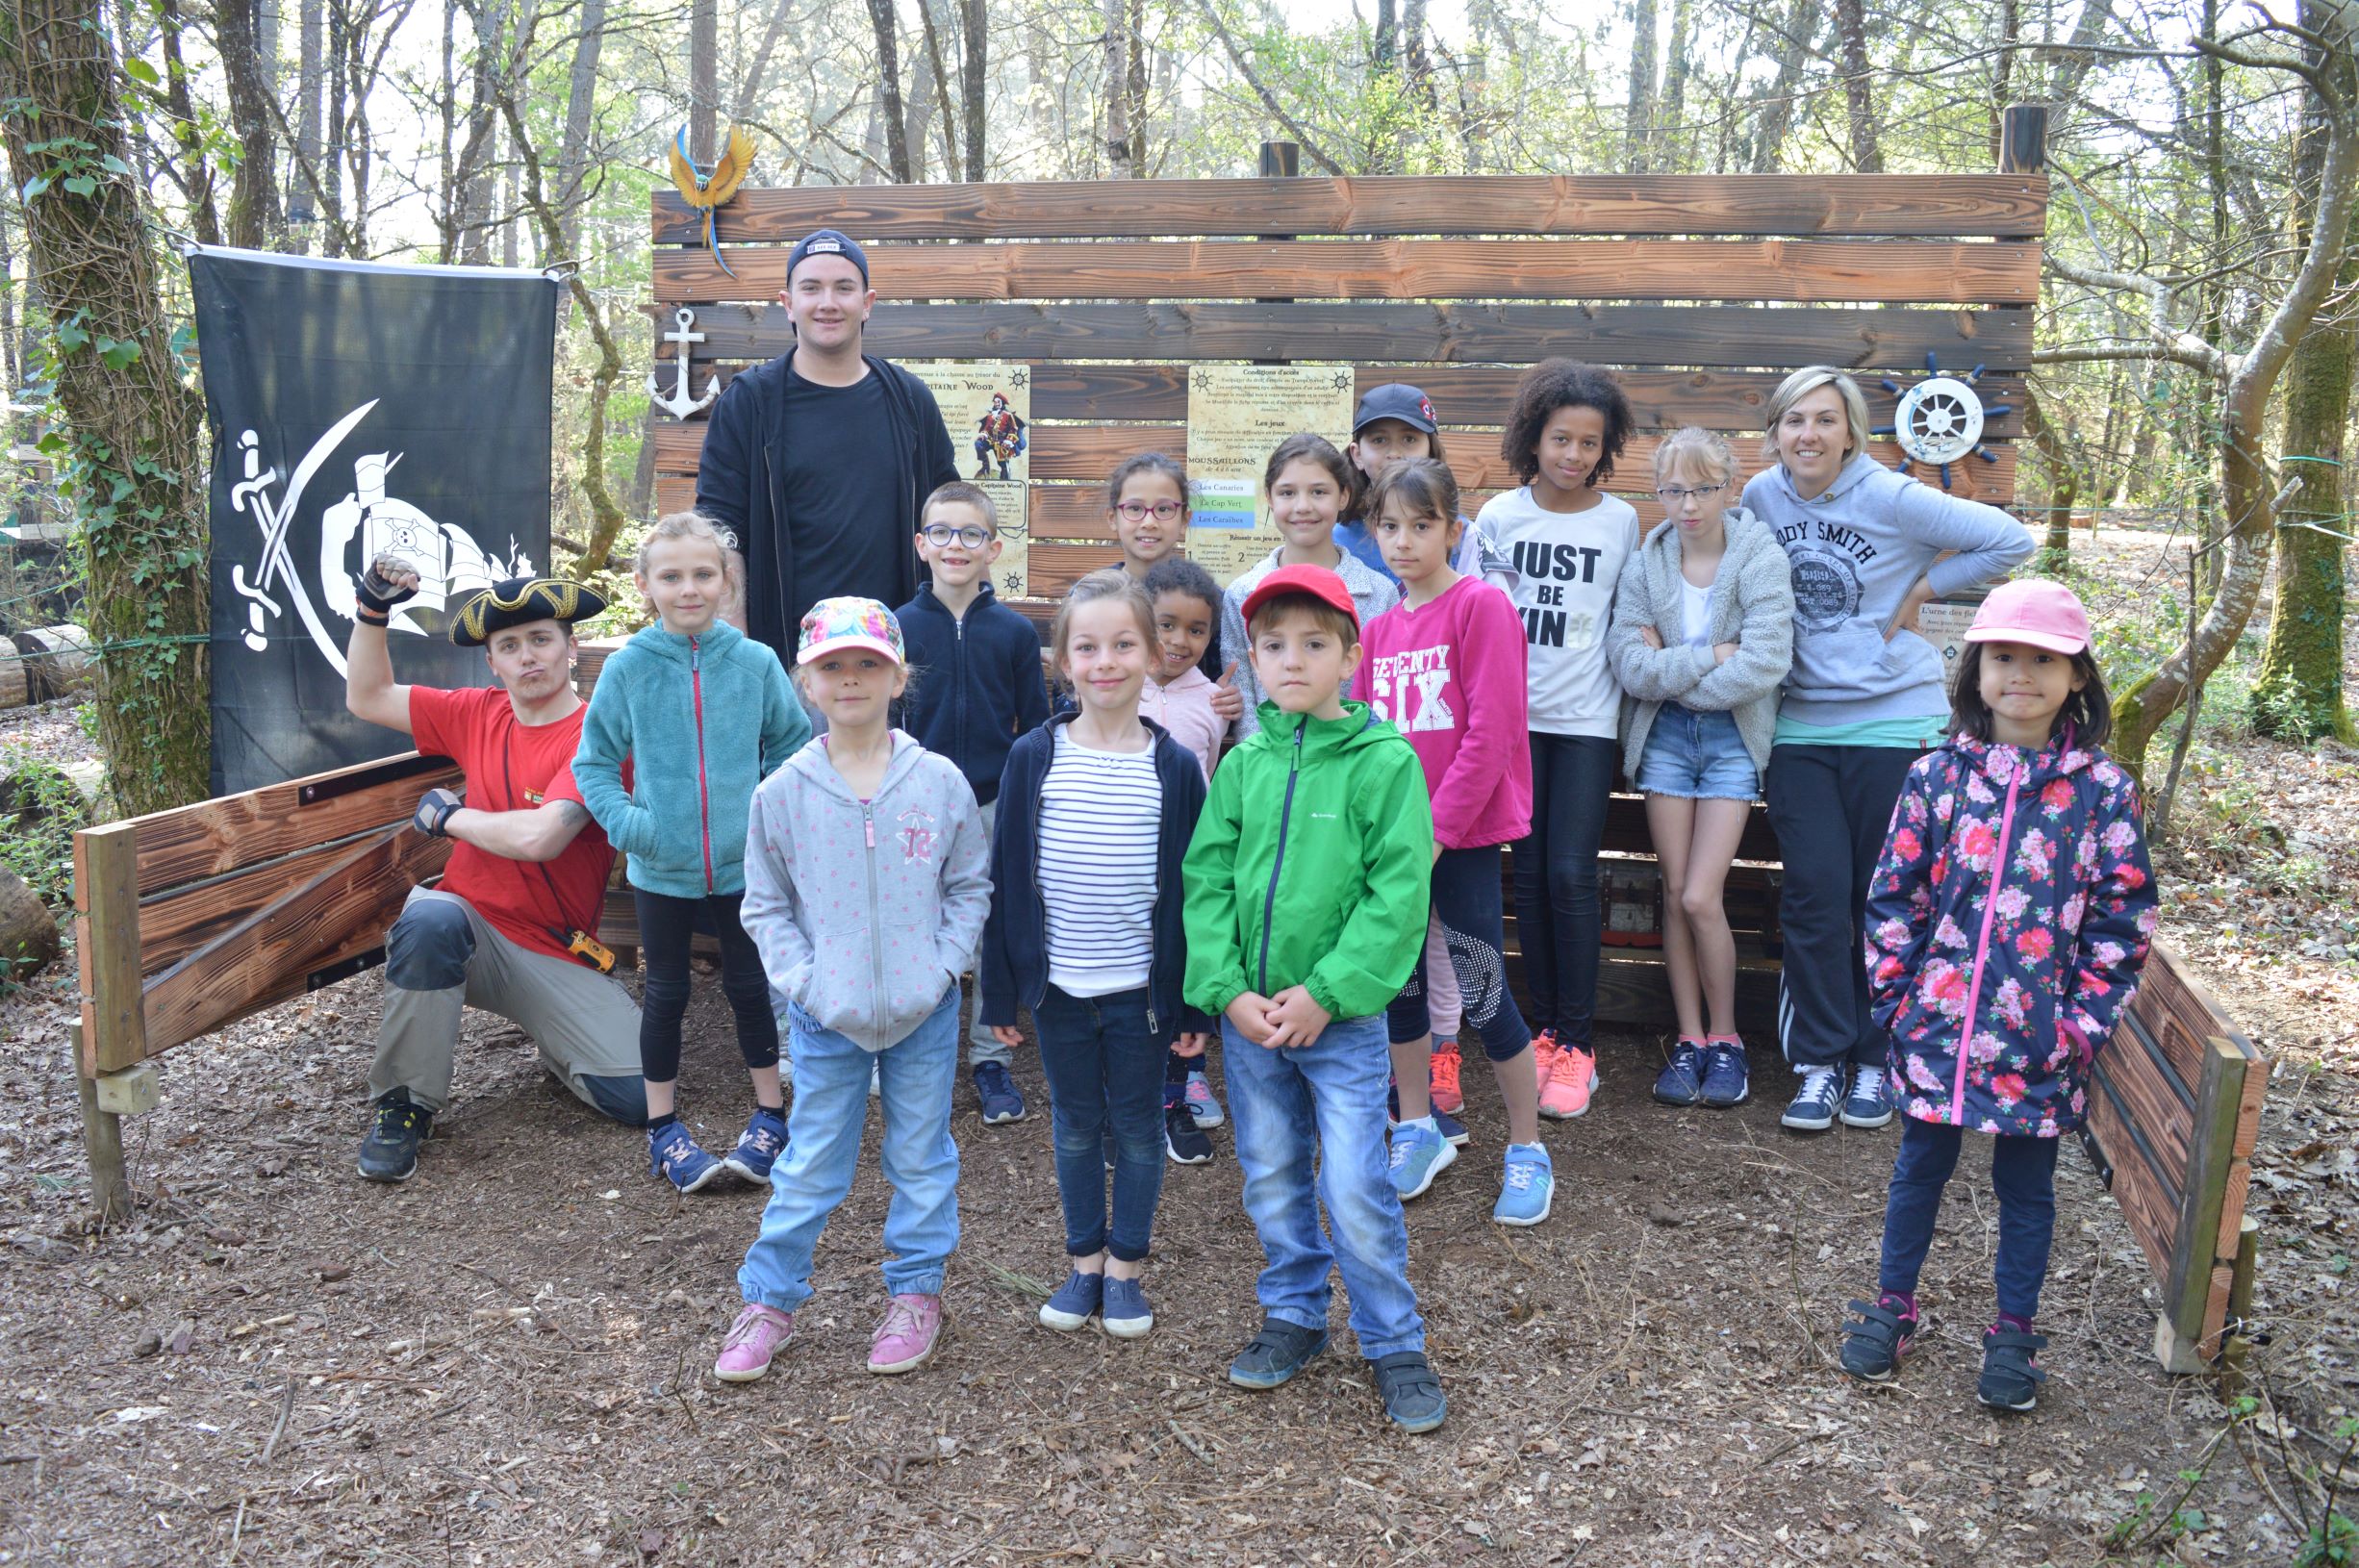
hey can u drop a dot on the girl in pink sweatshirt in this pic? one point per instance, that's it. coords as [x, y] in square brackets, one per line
[1446, 667]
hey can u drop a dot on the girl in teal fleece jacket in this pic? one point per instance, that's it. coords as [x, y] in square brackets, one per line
[703, 714]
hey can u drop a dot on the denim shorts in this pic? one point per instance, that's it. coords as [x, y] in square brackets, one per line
[1697, 756]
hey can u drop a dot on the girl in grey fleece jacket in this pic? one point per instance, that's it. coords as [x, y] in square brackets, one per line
[1863, 701]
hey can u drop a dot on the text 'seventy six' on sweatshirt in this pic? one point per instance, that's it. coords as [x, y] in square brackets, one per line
[974, 683]
[1560, 569]
[1855, 552]
[1450, 676]
[703, 719]
[1313, 864]
[866, 911]
[1372, 594]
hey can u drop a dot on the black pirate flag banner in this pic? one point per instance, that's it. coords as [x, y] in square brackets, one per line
[358, 408]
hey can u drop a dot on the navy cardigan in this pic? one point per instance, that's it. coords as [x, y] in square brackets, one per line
[976, 685]
[1015, 961]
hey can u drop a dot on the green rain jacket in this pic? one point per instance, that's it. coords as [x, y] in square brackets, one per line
[1311, 866]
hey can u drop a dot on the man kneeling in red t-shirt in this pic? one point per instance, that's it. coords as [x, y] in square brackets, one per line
[526, 880]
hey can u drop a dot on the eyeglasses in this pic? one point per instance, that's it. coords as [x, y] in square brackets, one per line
[940, 534]
[1673, 496]
[1137, 511]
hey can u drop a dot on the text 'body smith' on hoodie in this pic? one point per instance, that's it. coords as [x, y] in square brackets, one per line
[866, 911]
[1855, 552]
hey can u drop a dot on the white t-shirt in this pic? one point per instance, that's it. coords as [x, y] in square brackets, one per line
[1101, 821]
[1565, 567]
[1695, 614]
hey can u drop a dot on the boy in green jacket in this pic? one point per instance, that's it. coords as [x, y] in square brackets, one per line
[1307, 887]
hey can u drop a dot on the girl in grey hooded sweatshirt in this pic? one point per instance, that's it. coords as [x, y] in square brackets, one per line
[1863, 701]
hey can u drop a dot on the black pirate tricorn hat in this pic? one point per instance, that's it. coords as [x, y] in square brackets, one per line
[519, 602]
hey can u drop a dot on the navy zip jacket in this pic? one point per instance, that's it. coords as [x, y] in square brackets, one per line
[1014, 967]
[975, 684]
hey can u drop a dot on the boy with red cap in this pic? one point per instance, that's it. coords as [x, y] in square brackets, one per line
[1306, 904]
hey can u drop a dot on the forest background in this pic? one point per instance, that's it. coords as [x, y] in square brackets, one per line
[2202, 156]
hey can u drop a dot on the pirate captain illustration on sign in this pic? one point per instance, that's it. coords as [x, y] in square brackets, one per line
[1000, 437]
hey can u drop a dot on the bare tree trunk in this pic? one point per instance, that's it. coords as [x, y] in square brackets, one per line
[1134, 83]
[757, 72]
[1638, 117]
[2002, 74]
[703, 79]
[882, 24]
[1798, 31]
[335, 242]
[1858, 96]
[1676, 71]
[580, 106]
[1117, 92]
[974, 27]
[135, 429]
[254, 218]
[938, 73]
[2063, 479]
[197, 172]
[303, 212]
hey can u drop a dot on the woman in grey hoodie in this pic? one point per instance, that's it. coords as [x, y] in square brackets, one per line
[1867, 547]
[1702, 634]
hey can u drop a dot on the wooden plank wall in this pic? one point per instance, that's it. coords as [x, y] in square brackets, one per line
[1702, 290]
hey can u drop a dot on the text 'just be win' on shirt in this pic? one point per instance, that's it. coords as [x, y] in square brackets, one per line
[1560, 569]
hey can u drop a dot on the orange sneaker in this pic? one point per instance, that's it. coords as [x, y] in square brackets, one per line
[1543, 1053]
[1442, 1087]
[1567, 1084]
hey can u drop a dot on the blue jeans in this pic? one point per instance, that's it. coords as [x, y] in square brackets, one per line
[2023, 1176]
[1103, 1064]
[823, 1150]
[1323, 1104]
[1696, 754]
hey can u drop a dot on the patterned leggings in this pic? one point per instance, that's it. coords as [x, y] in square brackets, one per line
[1467, 906]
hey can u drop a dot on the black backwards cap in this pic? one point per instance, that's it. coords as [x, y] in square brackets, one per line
[519, 602]
[827, 242]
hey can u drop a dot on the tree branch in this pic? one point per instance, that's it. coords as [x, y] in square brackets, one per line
[1269, 100]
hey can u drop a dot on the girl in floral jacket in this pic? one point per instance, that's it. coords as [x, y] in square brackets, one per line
[2006, 927]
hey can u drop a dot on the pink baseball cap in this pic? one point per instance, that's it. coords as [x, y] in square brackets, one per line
[832, 625]
[2033, 611]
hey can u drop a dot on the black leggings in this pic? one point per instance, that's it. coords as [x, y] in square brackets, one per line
[1557, 919]
[1466, 902]
[665, 926]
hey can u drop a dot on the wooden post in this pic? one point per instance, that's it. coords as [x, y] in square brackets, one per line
[1281, 160]
[102, 1137]
[2022, 140]
[2239, 1340]
[107, 943]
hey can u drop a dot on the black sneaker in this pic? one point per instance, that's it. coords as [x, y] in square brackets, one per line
[2010, 1377]
[997, 1094]
[1412, 1394]
[390, 1151]
[1874, 1342]
[1183, 1139]
[1276, 1353]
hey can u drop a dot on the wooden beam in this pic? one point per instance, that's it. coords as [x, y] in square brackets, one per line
[213, 838]
[175, 923]
[107, 947]
[1472, 397]
[1794, 271]
[1944, 205]
[1705, 336]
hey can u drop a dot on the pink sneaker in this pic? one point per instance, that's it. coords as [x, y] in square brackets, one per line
[1543, 1055]
[905, 1340]
[759, 1333]
[1565, 1087]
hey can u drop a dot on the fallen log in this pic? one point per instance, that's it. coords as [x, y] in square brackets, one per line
[28, 931]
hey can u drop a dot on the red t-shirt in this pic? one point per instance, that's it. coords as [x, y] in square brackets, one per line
[513, 767]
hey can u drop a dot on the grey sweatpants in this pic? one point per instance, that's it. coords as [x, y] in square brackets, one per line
[443, 957]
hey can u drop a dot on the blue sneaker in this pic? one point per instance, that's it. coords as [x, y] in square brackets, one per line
[1530, 1184]
[759, 1146]
[673, 1155]
[1812, 1107]
[997, 1094]
[1682, 1079]
[1419, 1154]
[1125, 1314]
[1076, 1301]
[1453, 1130]
[1725, 1080]
[1867, 1105]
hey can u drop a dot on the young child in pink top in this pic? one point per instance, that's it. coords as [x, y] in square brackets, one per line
[1446, 665]
[1178, 694]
